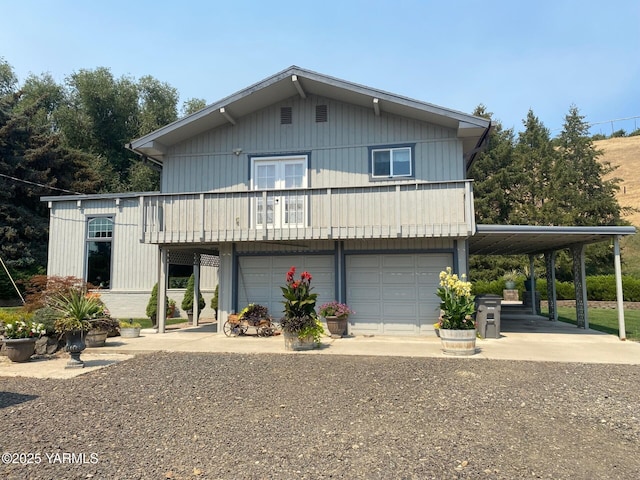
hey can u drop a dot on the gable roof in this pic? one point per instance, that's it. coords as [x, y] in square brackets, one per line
[297, 81]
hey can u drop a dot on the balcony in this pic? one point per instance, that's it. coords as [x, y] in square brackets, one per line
[407, 210]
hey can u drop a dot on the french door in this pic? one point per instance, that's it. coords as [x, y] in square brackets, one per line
[278, 207]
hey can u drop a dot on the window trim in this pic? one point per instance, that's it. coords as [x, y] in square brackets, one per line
[279, 160]
[391, 149]
[88, 239]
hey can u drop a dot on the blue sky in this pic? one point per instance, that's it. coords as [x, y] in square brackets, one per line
[509, 55]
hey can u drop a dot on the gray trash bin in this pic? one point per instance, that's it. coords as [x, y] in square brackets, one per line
[488, 308]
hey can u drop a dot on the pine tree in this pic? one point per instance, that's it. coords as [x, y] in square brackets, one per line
[534, 187]
[493, 174]
[585, 197]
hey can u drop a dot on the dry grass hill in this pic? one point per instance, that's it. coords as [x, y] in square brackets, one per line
[625, 154]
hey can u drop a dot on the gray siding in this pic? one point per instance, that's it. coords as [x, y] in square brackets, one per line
[134, 265]
[339, 147]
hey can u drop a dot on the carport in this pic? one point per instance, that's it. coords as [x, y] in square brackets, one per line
[548, 240]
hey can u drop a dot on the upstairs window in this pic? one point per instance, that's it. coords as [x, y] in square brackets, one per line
[99, 240]
[392, 162]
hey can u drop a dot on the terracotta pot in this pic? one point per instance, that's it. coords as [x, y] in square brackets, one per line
[458, 342]
[19, 350]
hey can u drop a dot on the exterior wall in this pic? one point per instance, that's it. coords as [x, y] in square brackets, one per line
[134, 265]
[338, 148]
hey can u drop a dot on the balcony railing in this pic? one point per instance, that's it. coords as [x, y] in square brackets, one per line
[437, 209]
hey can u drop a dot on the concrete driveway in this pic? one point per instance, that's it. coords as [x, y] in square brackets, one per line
[523, 337]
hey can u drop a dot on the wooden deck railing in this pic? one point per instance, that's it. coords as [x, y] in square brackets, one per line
[435, 209]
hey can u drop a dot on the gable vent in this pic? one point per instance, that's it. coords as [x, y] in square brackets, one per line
[321, 113]
[286, 116]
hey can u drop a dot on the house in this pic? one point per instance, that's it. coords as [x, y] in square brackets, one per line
[365, 189]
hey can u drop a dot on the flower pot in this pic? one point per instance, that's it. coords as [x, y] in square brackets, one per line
[129, 332]
[295, 343]
[19, 350]
[337, 325]
[96, 338]
[458, 342]
[75, 345]
[509, 285]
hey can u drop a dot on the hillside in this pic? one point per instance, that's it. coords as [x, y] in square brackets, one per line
[625, 154]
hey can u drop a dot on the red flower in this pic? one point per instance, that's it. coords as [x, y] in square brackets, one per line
[306, 276]
[290, 274]
[294, 285]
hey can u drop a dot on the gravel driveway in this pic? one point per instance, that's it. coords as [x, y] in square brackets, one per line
[232, 416]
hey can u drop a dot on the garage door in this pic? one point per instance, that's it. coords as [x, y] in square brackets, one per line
[260, 279]
[394, 294]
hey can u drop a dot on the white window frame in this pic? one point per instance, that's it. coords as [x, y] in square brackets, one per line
[280, 201]
[391, 151]
[99, 239]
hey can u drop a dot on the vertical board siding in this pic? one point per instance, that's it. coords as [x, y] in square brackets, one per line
[339, 147]
[134, 265]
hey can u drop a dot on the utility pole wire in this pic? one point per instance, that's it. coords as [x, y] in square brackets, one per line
[39, 184]
[11, 278]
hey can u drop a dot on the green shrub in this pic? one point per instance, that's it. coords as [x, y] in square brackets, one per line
[187, 301]
[152, 306]
[214, 300]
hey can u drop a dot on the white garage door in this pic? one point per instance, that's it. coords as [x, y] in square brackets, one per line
[394, 294]
[260, 279]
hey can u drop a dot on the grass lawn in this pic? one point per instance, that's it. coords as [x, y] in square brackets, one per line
[604, 320]
[146, 322]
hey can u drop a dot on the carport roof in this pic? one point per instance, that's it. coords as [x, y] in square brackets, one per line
[531, 240]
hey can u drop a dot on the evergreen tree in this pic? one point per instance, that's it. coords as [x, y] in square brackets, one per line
[533, 189]
[493, 174]
[586, 198]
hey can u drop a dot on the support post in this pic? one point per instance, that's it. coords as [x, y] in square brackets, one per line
[532, 284]
[196, 288]
[162, 290]
[552, 302]
[622, 334]
[580, 285]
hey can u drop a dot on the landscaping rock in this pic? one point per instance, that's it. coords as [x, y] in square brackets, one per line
[309, 416]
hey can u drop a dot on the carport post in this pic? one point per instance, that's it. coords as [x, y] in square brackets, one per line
[619, 292]
[552, 301]
[532, 279]
[580, 286]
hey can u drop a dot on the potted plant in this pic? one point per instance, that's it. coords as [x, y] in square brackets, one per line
[20, 335]
[187, 301]
[300, 325]
[336, 314]
[510, 278]
[457, 327]
[99, 331]
[76, 308]
[129, 328]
